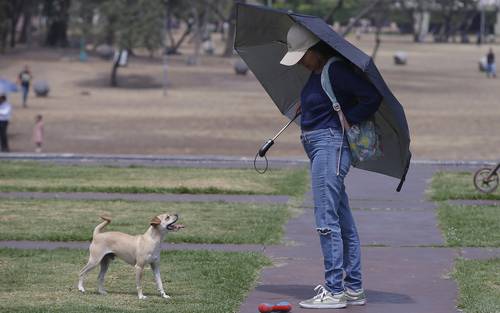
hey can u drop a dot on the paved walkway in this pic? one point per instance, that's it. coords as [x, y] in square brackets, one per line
[407, 272]
[405, 267]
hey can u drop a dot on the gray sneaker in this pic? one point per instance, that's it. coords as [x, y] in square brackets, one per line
[325, 300]
[355, 297]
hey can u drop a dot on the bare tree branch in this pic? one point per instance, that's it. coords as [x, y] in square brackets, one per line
[216, 10]
[329, 17]
[367, 10]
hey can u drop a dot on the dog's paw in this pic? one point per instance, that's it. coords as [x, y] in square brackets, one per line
[102, 292]
[142, 297]
[81, 289]
[165, 296]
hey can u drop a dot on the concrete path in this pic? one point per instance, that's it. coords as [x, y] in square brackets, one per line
[403, 271]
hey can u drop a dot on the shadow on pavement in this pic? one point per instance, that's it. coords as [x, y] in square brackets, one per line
[306, 291]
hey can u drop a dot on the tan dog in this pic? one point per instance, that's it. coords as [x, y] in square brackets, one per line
[135, 250]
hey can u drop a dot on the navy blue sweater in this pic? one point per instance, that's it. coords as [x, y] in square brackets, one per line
[358, 98]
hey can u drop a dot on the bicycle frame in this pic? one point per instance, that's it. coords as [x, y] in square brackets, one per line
[493, 172]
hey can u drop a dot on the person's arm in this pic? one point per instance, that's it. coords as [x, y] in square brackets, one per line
[346, 80]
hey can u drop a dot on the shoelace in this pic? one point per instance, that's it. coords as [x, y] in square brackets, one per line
[321, 292]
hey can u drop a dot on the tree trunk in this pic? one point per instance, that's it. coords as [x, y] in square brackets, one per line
[58, 23]
[26, 28]
[168, 25]
[377, 42]
[16, 7]
[114, 69]
[57, 34]
[173, 49]
[418, 25]
[196, 35]
[3, 38]
[13, 24]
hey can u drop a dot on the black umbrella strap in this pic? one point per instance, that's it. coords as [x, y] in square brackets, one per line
[404, 175]
[255, 164]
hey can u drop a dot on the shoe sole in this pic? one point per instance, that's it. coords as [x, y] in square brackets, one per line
[323, 306]
[357, 302]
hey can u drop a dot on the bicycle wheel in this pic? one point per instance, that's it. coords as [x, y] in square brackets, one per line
[483, 184]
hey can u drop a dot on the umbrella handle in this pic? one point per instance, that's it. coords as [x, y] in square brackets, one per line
[265, 147]
[268, 144]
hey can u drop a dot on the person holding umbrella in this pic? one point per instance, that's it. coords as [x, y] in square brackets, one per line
[288, 53]
[328, 149]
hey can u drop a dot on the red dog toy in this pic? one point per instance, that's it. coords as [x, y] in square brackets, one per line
[282, 307]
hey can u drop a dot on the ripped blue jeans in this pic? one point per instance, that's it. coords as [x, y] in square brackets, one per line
[334, 221]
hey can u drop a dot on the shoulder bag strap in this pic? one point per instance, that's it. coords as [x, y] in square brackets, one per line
[327, 87]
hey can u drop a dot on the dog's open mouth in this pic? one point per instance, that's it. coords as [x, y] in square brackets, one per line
[173, 226]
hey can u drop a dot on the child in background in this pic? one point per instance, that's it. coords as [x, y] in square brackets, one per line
[38, 133]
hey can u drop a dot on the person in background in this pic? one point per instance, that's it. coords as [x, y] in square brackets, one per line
[24, 79]
[491, 70]
[5, 114]
[38, 133]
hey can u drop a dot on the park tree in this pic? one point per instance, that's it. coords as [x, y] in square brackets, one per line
[453, 15]
[128, 24]
[225, 12]
[4, 26]
[30, 9]
[57, 14]
[11, 12]
[414, 11]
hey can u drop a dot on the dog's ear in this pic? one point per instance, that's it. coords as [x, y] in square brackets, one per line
[155, 221]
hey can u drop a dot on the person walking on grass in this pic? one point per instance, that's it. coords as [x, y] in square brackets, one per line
[5, 114]
[24, 79]
[491, 69]
[330, 160]
[38, 133]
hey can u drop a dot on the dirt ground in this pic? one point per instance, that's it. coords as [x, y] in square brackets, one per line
[453, 110]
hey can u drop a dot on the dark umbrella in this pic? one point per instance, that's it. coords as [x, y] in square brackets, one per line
[261, 42]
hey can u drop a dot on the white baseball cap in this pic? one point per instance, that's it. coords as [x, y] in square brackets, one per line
[298, 39]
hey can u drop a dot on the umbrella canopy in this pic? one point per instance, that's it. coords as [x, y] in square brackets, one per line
[7, 86]
[261, 42]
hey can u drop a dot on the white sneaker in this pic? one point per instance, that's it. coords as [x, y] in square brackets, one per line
[324, 299]
[355, 297]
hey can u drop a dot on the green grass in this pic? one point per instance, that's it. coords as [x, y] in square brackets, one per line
[470, 226]
[198, 281]
[453, 186]
[43, 177]
[479, 285]
[214, 222]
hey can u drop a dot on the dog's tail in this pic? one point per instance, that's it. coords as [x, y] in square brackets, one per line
[99, 227]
